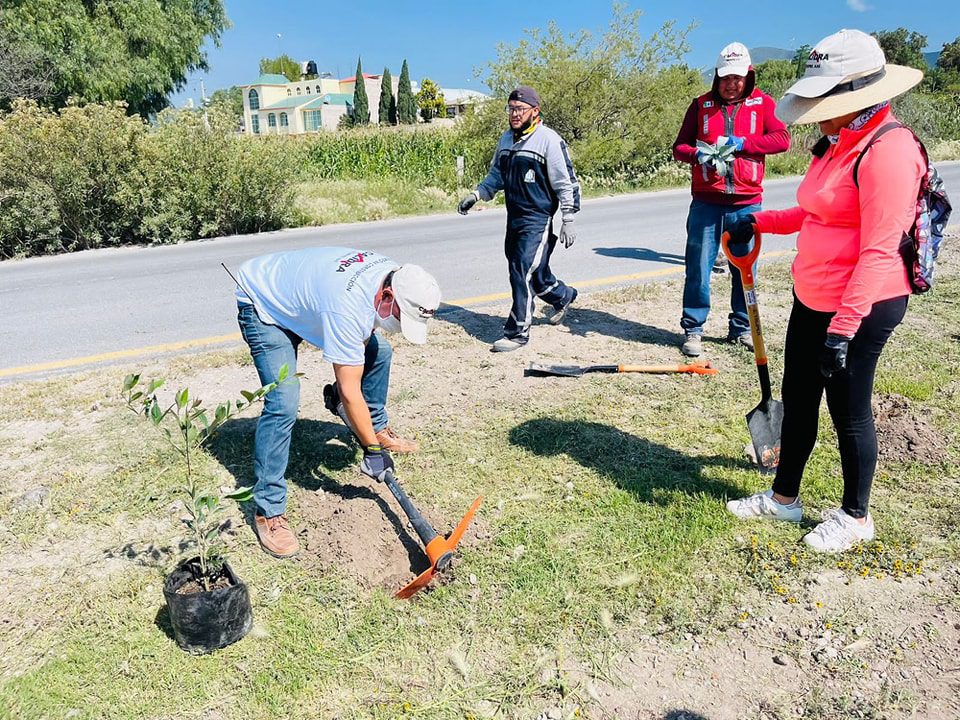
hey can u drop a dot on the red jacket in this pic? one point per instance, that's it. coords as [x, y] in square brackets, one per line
[752, 118]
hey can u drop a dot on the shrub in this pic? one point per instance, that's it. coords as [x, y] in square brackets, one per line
[70, 179]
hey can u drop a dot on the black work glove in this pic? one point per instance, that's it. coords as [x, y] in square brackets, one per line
[833, 355]
[741, 230]
[376, 461]
[468, 202]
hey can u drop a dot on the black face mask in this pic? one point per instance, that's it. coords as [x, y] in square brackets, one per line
[519, 132]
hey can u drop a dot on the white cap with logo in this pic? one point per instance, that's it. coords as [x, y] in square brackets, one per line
[734, 60]
[845, 72]
[418, 296]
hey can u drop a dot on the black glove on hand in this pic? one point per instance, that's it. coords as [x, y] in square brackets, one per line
[833, 356]
[376, 461]
[741, 230]
[468, 202]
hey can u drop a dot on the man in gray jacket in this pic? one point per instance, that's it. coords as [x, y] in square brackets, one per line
[531, 165]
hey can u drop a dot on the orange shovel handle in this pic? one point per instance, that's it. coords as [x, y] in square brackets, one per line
[745, 263]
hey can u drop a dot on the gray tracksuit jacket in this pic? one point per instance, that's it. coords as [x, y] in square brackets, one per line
[536, 176]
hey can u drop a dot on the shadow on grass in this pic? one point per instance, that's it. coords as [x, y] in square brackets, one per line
[635, 253]
[162, 621]
[642, 467]
[485, 328]
[311, 451]
[580, 321]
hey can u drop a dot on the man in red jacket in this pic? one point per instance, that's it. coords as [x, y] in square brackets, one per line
[735, 113]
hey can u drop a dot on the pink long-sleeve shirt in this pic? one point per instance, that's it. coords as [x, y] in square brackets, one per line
[848, 248]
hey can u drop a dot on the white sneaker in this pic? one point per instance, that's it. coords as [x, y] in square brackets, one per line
[839, 532]
[762, 506]
[506, 344]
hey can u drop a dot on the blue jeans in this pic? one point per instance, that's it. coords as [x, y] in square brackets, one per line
[705, 225]
[271, 347]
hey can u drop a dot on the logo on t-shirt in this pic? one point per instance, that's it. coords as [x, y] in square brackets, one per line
[753, 101]
[348, 261]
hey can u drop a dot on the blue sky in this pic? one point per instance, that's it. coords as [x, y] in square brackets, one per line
[447, 41]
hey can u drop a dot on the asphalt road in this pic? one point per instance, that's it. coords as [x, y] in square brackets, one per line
[68, 311]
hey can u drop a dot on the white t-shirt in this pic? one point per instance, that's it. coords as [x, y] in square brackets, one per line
[325, 295]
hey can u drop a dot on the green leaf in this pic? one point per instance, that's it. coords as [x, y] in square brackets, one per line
[284, 371]
[248, 396]
[154, 384]
[213, 533]
[135, 396]
[129, 382]
[156, 414]
[182, 397]
[243, 494]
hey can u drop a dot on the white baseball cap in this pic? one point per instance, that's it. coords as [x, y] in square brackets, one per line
[734, 60]
[418, 296]
[845, 72]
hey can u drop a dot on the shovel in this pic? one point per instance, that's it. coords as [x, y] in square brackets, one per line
[439, 549]
[766, 418]
[538, 370]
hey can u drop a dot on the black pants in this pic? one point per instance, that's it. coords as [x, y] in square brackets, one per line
[848, 398]
[528, 254]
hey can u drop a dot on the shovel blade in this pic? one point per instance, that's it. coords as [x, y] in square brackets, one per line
[538, 370]
[764, 422]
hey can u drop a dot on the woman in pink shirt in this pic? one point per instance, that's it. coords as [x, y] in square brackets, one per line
[850, 282]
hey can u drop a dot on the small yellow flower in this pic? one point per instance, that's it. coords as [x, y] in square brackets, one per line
[793, 559]
[792, 600]
[827, 625]
[818, 604]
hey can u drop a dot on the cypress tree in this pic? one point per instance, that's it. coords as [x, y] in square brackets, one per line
[388, 106]
[361, 106]
[406, 103]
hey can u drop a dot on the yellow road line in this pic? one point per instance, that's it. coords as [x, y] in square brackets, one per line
[219, 339]
[118, 355]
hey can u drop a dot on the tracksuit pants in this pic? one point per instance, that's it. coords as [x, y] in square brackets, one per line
[848, 398]
[528, 252]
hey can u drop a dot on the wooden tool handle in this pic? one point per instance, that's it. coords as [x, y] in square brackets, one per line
[699, 368]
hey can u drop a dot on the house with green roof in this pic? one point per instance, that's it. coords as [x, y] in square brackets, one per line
[272, 105]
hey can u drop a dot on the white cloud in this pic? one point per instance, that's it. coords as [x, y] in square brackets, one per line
[858, 5]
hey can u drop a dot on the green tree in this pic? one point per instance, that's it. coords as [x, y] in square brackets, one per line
[406, 103]
[388, 104]
[949, 58]
[107, 50]
[903, 47]
[800, 59]
[281, 65]
[229, 101]
[361, 105]
[430, 100]
[618, 98]
[775, 76]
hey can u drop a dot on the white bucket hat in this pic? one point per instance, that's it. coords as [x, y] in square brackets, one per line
[845, 72]
[734, 60]
[418, 296]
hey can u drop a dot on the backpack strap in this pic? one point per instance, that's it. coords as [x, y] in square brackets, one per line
[884, 129]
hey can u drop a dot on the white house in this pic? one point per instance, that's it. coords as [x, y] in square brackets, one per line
[272, 105]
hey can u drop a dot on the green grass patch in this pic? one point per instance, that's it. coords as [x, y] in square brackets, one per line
[603, 518]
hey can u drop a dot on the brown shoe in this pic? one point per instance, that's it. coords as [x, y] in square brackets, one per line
[389, 440]
[275, 536]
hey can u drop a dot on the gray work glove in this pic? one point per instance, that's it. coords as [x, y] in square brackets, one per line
[468, 202]
[376, 461]
[568, 233]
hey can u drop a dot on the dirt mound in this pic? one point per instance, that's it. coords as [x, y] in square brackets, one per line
[903, 434]
[363, 532]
